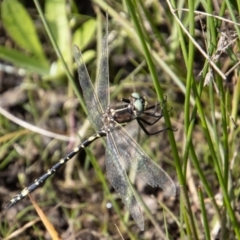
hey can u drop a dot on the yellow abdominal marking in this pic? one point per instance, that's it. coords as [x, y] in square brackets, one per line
[24, 192]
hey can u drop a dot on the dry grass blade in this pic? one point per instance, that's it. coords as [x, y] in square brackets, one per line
[50, 228]
[22, 229]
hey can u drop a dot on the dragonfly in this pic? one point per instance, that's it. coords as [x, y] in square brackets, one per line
[122, 151]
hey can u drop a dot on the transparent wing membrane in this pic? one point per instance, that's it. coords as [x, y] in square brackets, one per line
[95, 110]
[134, 156]
[117, 176]
[103, 75]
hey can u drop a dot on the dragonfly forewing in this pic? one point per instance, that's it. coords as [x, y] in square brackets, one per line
[118, 178]
[103, 75]
[91, 100]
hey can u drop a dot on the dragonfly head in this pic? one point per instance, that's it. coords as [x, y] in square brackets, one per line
[139, 103]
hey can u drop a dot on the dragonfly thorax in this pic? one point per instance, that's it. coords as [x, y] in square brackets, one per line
[109, 120]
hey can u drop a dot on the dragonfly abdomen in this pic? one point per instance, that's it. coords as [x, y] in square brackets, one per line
[52, 170]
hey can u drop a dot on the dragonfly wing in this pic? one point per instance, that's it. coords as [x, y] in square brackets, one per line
[117, 176]
[90, 97]
[136, 158]
[103, 75]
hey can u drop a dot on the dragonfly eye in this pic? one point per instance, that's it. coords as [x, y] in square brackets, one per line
[138, 105]
[135, 95]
